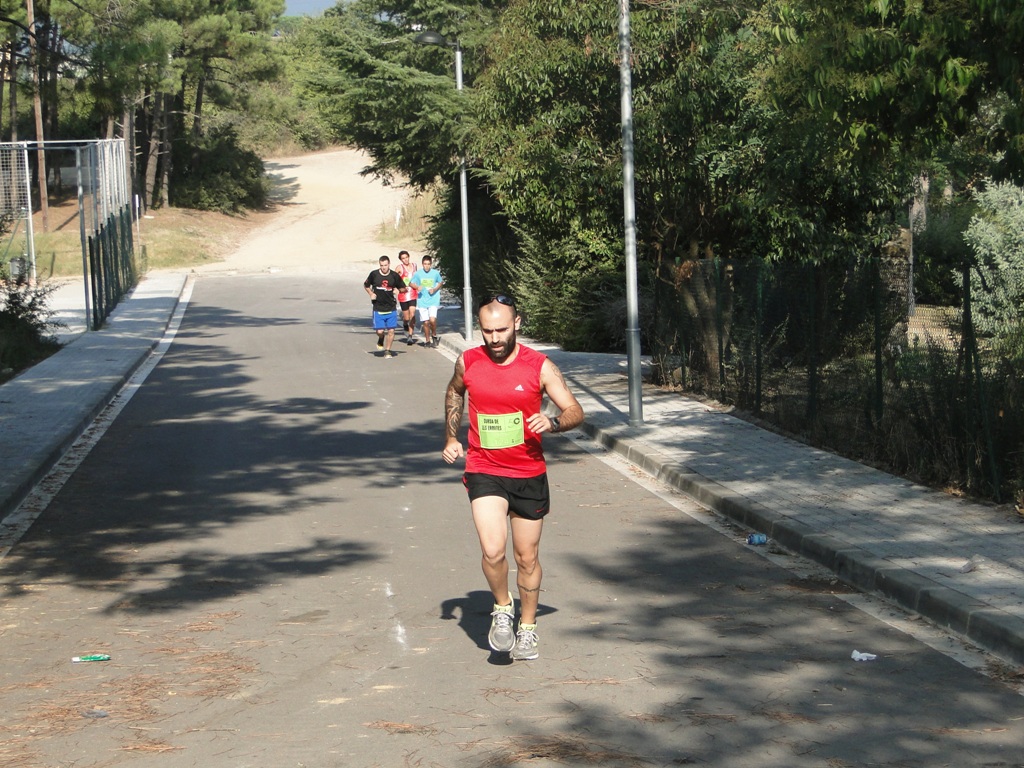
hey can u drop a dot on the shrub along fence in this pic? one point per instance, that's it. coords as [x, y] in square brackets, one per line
[839, 355]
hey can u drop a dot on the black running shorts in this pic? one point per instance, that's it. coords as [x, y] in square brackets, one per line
[528, 497]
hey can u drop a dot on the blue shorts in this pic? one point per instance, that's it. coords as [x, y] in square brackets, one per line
[384, 320]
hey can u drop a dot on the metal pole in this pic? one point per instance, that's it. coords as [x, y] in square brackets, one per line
[467, 290]
[94, 188]
[30, 231]
[81, 234]
[37, 109]
[636, 412]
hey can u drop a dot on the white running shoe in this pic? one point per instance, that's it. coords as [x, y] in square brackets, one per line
[501, 638]
[526, 645]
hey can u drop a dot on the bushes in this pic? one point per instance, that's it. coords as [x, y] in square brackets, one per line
[572, 292]
[996, 236]
[221, 177]
[26, 329]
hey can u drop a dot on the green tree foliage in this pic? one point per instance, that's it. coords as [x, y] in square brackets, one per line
[146, 65]
[391, 97]
[283, 115]
[885, 88]
[397, 101]
[548, 130]
[940, 252]
[127, 49]
[545, 141]
[840, 82]
[548, 121]
[996, 237]
[782, 129]
[224, 43]
[226, 177]
[591, 287]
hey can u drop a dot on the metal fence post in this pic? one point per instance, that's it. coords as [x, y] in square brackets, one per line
[876, 291]
[812, 351]
[979, 401]
[719, 327]
[759, 335]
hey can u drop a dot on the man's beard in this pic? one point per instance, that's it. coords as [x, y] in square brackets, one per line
[502, 353]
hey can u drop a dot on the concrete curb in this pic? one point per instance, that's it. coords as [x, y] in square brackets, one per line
[992, 629]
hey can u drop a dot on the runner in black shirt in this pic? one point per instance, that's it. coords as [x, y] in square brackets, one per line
[381, 285]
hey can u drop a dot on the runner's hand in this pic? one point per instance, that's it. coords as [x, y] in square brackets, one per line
[453, 451]
[539, 423]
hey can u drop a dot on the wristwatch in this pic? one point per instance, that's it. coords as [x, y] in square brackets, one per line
[555, 424]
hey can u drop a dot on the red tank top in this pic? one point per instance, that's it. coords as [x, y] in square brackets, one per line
[406, 274]
[501, 397]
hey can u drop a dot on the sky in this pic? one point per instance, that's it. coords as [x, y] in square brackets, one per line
[307, 7]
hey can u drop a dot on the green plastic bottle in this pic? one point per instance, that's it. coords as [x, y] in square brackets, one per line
[91, 657]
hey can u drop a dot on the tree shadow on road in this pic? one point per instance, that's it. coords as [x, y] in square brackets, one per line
[204, 448]
[284, 186]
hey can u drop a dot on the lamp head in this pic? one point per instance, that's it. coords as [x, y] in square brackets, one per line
[429, 37]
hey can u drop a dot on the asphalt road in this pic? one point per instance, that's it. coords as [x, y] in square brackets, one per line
[284, 572]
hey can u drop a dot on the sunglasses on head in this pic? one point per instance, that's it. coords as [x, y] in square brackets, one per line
[501, 298]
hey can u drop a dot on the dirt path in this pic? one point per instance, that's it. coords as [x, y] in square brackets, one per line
[328, 218]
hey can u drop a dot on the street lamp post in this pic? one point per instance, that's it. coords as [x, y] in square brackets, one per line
[636, 408]
[433, 38]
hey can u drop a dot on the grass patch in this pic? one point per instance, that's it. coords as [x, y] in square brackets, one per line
[409, 227]
[168, 238]
[176, 238]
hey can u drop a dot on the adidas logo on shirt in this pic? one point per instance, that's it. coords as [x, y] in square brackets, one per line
[519, 388]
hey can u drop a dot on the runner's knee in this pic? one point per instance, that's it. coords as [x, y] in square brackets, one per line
[527, 562]
[493, 556]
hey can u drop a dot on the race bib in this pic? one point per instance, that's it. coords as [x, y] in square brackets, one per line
[502, 430]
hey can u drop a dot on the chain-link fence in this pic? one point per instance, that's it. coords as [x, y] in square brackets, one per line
[839, 355]
[110, 245]
[16, 258]
[97, 171]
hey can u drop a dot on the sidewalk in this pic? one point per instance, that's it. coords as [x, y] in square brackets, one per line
[877, 532]
[43, 411]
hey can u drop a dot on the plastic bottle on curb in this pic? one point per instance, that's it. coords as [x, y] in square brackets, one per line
[90, 657]
[757, 539]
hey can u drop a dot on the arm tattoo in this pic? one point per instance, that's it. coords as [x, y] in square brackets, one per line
[558, 374]
[454, 401]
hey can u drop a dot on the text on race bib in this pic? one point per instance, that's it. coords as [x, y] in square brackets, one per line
[502, 430]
